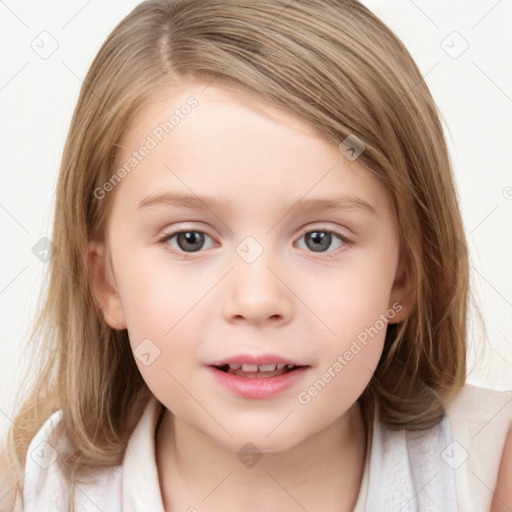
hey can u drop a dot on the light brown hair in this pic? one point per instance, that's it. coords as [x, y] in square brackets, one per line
[337, 67]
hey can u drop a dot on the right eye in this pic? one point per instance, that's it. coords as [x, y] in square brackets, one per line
[187, 241]
[319, 239]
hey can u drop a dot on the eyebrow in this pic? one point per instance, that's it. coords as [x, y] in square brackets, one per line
[196, 202]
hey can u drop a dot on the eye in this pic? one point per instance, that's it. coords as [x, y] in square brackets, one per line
[318, 240]
[188, 241]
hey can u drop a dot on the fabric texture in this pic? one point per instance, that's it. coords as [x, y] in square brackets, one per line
[452, 467]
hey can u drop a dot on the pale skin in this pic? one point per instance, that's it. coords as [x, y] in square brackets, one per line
[200, 306]
[502, 497]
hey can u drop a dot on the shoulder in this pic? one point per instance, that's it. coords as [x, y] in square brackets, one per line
[481, 449]
[502, 496]
[46, 487]
[10, 480]
[481, 414]
[474, 403]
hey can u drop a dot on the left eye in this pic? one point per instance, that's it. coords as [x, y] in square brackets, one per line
[319, 239]
[191, 239]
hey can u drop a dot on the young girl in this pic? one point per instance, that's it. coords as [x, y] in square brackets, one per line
[308, 350]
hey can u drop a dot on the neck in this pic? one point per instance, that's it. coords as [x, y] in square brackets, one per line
[323, 471]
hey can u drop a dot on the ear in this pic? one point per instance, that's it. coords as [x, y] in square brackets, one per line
[103, 286]
[401, 298]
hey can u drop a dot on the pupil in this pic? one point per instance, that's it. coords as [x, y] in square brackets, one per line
[193, 238]
[321, 240]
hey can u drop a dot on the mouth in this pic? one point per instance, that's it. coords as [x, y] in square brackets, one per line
[258, 379]
[254, 371]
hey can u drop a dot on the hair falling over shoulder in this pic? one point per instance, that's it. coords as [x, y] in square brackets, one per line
[337, 67]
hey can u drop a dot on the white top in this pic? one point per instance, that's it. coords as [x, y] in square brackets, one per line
[451, 467]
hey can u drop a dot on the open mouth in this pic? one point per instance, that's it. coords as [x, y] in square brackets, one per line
[252, 371]
[258, 382]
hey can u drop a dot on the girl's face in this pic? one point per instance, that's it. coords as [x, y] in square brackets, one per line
[288, 254]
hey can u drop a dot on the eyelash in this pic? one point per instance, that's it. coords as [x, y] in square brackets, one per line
[168, 236]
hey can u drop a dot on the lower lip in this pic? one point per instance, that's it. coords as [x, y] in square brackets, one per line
[258, 387]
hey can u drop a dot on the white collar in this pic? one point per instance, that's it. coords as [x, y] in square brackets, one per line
[403, 470]
[141, 489]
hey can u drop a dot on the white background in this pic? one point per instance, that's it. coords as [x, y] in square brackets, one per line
[473, 91]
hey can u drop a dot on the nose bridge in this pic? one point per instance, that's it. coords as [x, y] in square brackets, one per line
[255, 290]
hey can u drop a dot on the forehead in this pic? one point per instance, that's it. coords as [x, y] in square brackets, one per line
[210, 99]
[209, 138]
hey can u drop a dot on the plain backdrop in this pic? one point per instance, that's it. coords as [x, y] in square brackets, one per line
[463, 49]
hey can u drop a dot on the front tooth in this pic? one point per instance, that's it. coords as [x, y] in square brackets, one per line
[290, 366]
[249, 367]
[235, 366]
[280, 366]
[267, 367]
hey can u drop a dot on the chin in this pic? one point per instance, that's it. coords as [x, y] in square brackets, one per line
[276, 441]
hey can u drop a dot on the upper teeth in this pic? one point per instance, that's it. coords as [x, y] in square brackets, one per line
[261, 368]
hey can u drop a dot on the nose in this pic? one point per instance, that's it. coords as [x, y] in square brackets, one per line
[257, 293]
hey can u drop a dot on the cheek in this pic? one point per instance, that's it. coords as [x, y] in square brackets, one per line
[347, 359]
[153, 296]
[163, 347]
[353, 317]
[160, 307]
[353, 300]
[151, 310]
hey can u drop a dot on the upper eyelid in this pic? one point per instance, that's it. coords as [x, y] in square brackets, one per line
[302, 230]
[347, 239]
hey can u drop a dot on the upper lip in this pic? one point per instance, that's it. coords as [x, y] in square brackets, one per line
[260, 360]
